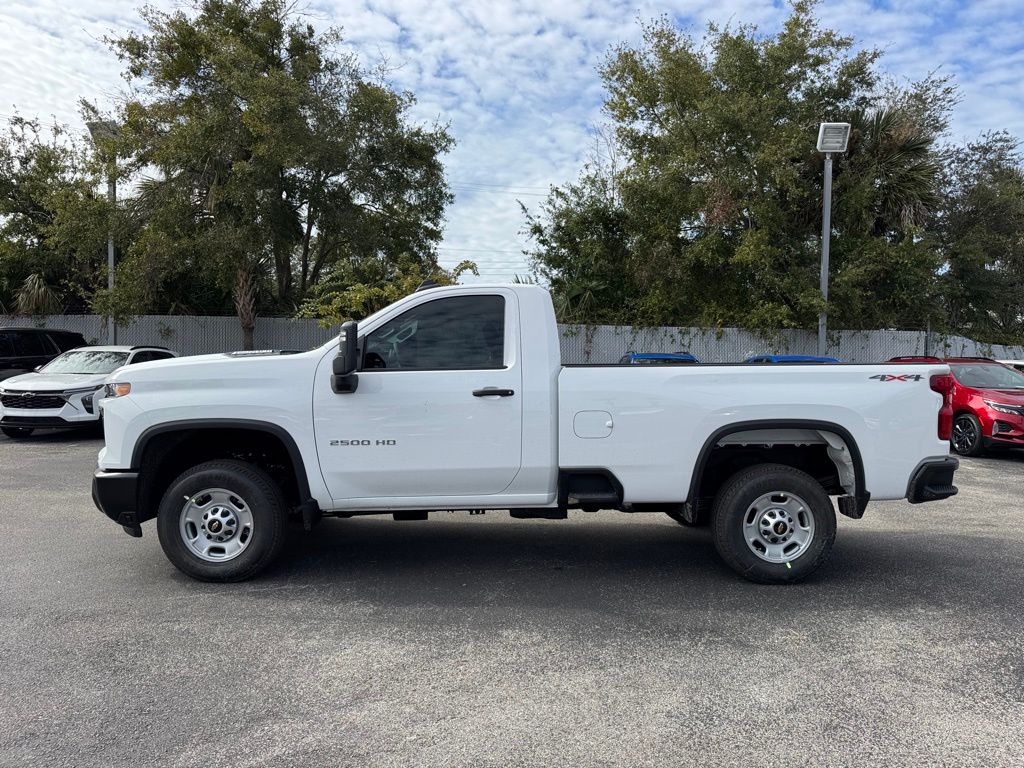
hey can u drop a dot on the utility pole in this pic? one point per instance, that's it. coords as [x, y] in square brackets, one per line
[103, 133]
[832, 138]
[826, 236]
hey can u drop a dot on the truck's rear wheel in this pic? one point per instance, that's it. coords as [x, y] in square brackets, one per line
[773, 524]
[222, 521]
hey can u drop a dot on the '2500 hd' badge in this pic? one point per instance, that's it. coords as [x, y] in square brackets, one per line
[359, 443]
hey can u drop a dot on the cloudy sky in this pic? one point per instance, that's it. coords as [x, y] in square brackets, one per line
[516, 80]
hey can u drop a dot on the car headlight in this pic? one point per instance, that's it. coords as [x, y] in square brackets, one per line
[82, 390]
[117, 389]
[1016, 410]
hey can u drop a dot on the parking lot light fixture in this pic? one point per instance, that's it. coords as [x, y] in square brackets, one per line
[832, 138]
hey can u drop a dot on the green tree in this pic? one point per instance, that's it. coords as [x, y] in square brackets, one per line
[276, 159]
[981, 232]
[53, 227]
[714, 215]
[362, 286]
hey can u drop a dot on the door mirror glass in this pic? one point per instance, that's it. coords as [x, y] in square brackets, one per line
[345, 363]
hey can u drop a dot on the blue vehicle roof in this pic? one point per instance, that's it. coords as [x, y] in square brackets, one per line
[790, 359]
[683, 357]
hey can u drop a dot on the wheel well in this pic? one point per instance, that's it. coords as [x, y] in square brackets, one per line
[167, 454]
[726, 461]
[829, 455]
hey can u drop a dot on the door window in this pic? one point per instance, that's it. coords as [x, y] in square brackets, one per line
[6, 350]
[66, 341]
[28, 344]
[457, 333]
[148, 356]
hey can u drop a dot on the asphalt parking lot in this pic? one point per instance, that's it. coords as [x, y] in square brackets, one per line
[605, 640]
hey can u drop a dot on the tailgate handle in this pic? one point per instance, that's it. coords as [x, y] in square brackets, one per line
[493, 392]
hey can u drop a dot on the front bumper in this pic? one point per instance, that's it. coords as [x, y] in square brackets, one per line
[43, 422]
[933, 480]
[115, 494]
[73, 413]
[1003, 440]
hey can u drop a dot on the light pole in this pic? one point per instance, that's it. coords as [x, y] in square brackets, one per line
[832, 137]
[104, 132]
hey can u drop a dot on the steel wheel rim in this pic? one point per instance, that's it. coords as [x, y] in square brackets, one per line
[964, 435]
[778, 527]
[216, 525]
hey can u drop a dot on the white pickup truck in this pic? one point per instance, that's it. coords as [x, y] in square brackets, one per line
[455, 398]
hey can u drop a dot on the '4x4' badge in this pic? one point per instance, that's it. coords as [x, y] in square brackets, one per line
[898, 377]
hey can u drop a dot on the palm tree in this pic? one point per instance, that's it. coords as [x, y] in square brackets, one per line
[894, 155]
[36, 297]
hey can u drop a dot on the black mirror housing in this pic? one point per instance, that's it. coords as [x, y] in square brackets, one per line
[344, 366]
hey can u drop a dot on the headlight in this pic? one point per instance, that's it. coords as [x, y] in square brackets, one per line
[1017, 410]
[117, 389]
[80, 390]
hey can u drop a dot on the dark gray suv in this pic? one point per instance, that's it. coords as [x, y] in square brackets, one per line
[24, 349]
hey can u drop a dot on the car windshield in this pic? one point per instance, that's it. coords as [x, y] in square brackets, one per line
[987, 376]
[86, 361]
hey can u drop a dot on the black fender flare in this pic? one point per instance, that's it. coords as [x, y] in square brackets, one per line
[861, 494]
[188, 425]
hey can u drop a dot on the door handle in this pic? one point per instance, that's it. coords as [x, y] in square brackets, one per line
[493, 392]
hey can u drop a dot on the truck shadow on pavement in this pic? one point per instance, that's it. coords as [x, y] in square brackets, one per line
[618, 567]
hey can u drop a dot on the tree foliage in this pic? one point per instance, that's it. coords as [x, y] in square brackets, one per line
[360, 288]
[981, 233]
[711, 214]
[53, 226]
[271, 160]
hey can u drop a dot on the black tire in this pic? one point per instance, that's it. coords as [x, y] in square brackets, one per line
[263, 500]
[966, 439]
[17, 433]
[733, 505]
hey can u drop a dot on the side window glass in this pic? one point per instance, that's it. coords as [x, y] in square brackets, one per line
[27, 344]
[458, 333]
[141, 357]
[6, 348]
[62, 341]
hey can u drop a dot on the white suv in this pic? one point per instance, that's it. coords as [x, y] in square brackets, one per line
[65, 392]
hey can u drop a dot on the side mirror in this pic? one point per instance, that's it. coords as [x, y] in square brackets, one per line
[345, 379]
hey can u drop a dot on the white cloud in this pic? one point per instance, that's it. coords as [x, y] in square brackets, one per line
[517, 80]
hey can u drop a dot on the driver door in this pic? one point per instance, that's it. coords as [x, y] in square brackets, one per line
[438, 408]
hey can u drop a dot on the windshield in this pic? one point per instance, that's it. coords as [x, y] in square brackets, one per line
[987, 376]
[86, 361]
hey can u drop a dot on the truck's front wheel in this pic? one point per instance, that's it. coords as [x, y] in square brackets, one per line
[773, 524]
[222, 521]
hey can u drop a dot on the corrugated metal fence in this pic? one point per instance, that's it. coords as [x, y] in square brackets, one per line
[188, 334]
[607, 343]
[196, 335]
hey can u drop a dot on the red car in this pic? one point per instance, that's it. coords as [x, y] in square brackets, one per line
[988, 403]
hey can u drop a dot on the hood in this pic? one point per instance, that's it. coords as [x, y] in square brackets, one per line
[263, 353]
[53, 382]
[1008, 396]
